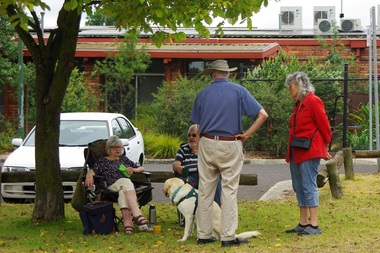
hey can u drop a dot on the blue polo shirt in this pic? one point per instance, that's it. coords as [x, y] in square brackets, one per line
[218, 108]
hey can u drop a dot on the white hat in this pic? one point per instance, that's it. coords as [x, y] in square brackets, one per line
[221, 65]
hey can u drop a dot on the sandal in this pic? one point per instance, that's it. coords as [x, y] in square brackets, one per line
[128, 230]
[140, 220]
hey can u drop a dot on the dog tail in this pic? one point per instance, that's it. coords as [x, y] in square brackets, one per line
[248, 234]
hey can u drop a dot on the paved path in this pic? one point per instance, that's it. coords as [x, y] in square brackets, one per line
[273, 178]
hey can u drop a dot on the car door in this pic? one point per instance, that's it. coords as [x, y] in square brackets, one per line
[124, 129]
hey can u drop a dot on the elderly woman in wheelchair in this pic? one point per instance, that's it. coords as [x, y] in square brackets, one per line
[116, 170]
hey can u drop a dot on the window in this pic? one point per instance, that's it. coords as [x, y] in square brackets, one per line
[127, 130]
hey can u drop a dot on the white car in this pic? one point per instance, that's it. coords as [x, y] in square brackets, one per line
[76, 131]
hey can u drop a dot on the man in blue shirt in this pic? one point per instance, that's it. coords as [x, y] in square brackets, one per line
[218, 110]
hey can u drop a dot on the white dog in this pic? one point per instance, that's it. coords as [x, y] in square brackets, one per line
[185, 197]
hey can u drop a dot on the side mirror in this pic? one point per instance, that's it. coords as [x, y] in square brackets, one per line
[17, 142]
[125, 142]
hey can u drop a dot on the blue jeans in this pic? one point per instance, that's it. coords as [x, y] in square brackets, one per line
[304, 181]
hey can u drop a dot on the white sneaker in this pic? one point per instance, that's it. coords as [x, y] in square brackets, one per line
[145, 227]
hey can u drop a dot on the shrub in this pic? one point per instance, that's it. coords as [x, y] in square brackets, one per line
[160, 146]
[6, 134]
[359, 138]
[274, 97]
[173, 102]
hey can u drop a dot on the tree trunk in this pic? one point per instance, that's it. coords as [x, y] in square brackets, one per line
[52, 81]
[54, 61]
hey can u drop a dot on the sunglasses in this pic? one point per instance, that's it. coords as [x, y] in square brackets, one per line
[116, 147]
[192, 135]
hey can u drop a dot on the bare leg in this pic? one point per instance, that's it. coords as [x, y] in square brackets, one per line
[127, 220]
[313, 216]
[136, 212]
[304, 215]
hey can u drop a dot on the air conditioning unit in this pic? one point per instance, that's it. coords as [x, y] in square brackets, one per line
[323, 12]
[325, 25]
[350, 25]
[291, 17]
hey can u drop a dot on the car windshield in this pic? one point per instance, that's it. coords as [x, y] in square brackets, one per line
[77, 132]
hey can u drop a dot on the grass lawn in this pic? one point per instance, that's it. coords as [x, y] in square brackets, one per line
[349, 224]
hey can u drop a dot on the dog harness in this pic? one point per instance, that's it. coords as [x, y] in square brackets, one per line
[192, 193]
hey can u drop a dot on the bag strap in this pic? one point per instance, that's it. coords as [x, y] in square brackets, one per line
[294, 125]
[85, 164]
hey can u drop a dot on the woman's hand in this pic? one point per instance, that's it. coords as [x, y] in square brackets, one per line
[89, 182]
[131, 170]
[328, 157]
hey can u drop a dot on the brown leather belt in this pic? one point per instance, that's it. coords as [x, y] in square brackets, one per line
[221, 138]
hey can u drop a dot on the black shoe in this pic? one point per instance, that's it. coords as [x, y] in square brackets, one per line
[205, 241]
[235, 242]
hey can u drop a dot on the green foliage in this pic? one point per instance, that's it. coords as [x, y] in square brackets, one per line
[97, 19]
[79, 96]
[145, 15]
[8, 54]
[359, 138]
[274, 97]
[119, 69]
[160, 146]
[7, 132]
[146, 119]
[173, 102]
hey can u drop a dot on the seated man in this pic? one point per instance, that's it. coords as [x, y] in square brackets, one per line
[185, 165]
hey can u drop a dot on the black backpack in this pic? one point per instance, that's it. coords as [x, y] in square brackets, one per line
[99, 217]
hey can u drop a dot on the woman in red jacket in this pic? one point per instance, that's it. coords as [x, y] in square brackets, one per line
[308, 120]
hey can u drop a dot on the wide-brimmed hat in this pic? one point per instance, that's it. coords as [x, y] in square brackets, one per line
[221, 65]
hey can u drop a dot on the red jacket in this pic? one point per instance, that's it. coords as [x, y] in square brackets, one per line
[310, 117]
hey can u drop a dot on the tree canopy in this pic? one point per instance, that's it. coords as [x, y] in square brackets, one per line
[54, 60]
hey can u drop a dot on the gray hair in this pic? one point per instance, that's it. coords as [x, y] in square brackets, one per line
[302, 80]
[112, 141]
[193, 128]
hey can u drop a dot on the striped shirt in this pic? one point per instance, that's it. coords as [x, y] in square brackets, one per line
[190, 160]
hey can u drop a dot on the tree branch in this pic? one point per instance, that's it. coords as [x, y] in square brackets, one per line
[25, 36]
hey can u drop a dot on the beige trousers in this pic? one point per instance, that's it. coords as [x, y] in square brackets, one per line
[217, 158]
[122, 185]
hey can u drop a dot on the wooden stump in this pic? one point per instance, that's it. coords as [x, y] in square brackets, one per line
[323, 175]
[335, 184]
[348, 164]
